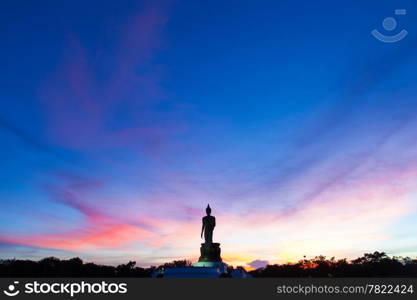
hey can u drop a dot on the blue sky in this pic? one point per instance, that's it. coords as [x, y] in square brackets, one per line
[120, 122]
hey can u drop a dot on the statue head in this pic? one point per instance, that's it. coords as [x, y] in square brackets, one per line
[208, 210]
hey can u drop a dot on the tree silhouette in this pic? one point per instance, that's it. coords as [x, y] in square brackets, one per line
[376, 264]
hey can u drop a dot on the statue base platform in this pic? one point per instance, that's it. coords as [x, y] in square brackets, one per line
[198, 270]
[210, 252]
[220, 266]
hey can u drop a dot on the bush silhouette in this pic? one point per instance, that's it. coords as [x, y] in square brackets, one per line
[376, 264]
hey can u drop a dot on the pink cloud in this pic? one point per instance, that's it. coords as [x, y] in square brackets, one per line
[99, 230]
[101, 235]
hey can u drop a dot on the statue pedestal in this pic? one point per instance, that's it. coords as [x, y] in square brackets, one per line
[210, 252]
[203, 266]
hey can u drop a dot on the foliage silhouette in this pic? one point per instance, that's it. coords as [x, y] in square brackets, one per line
[377, 264]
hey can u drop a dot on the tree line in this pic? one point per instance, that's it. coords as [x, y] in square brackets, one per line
[377, 264]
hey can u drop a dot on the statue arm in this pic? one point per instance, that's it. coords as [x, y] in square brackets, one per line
[202, 229]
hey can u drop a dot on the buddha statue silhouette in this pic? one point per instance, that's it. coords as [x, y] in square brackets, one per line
[209, 222]
[210, 253]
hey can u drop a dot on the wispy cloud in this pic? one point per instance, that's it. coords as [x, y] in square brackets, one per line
[88, 108]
